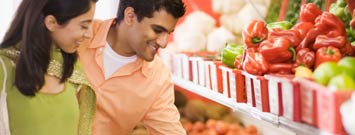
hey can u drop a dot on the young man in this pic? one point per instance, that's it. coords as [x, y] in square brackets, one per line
[131, 83]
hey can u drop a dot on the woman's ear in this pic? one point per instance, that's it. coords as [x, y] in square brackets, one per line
[50, 22]
[129, 16]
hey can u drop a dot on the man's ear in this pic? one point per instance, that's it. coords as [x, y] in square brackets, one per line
[51, 22]
[129, 16]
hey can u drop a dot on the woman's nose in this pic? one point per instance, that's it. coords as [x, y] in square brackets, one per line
[88, 33]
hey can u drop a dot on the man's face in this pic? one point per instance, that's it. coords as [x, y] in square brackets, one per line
[150, 34]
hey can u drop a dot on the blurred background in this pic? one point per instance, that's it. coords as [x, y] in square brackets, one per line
[104, 9]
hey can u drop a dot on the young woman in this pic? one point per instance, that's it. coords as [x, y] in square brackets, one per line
[40, 78]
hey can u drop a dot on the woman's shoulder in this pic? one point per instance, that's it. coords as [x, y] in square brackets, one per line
[7, 73]
[6, 64]
[78, 76]
[8, 56]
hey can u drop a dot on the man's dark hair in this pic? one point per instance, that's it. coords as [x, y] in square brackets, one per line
[28, 30]
[146, 8]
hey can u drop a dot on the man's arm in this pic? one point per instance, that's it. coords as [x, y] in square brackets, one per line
[163, 118]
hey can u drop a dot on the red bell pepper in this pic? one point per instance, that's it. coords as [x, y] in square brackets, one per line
[292, 35]
[325, 24]
[255, 32]
[281, 68]
[238, 61]
[305, 57]
[309, 12]
[325, 54]
[309, 38]
[324, 41]
[254, 63]
[303, 28]
[352, 22]
[351, 4]
[277, 50]
[347, 49]
[330, 25]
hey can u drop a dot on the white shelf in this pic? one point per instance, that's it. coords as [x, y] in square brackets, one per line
[205, 92]
[274, 121]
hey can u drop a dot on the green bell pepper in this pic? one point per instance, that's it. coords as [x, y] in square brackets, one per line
[283, 25]
[230, 52]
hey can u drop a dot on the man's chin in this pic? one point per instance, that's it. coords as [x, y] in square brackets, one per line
[149, 59]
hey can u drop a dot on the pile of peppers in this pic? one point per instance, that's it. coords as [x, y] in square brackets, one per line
[327, 36]
[272, 50]
[279, 48]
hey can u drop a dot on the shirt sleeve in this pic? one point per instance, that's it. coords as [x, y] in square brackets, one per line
[163, 118]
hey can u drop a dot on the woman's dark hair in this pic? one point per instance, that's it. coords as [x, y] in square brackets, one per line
[146, 8]
[29, 30]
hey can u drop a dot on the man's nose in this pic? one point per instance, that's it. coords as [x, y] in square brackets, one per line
[162, 40]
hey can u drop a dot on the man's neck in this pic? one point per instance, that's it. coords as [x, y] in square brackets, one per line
[118, 41]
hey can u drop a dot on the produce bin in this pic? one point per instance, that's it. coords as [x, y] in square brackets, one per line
[197, 66]
[233, 82]
[284, 97]
[225, 80]
[214, 75]
[257, 91]
[308, 102]
[328, 107]
[237, 83]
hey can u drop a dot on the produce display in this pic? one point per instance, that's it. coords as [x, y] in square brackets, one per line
[201, 118]
[295, 63]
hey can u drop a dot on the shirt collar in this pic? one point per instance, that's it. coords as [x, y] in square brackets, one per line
[103, 29]
[145, 67]
[100, 41]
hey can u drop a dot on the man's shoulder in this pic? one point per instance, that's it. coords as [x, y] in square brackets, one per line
[160, 70]
[96, 24]
[96, 28]
[159, 64]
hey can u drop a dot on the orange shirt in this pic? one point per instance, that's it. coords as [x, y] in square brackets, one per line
[140, 91]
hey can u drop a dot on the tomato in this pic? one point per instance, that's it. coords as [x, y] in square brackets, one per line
[187, 126]
[198, 126]
[221, 127]
[210, 132]
[325, 71]
[211, 123]
[342, 82]
[347, 66]
[251, 129]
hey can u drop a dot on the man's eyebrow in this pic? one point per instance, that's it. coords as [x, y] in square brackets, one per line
[158, 27]
[86, 21]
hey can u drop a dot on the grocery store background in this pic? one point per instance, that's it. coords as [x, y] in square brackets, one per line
[274, 104]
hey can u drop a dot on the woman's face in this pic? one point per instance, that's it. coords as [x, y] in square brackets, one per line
[71, 35]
